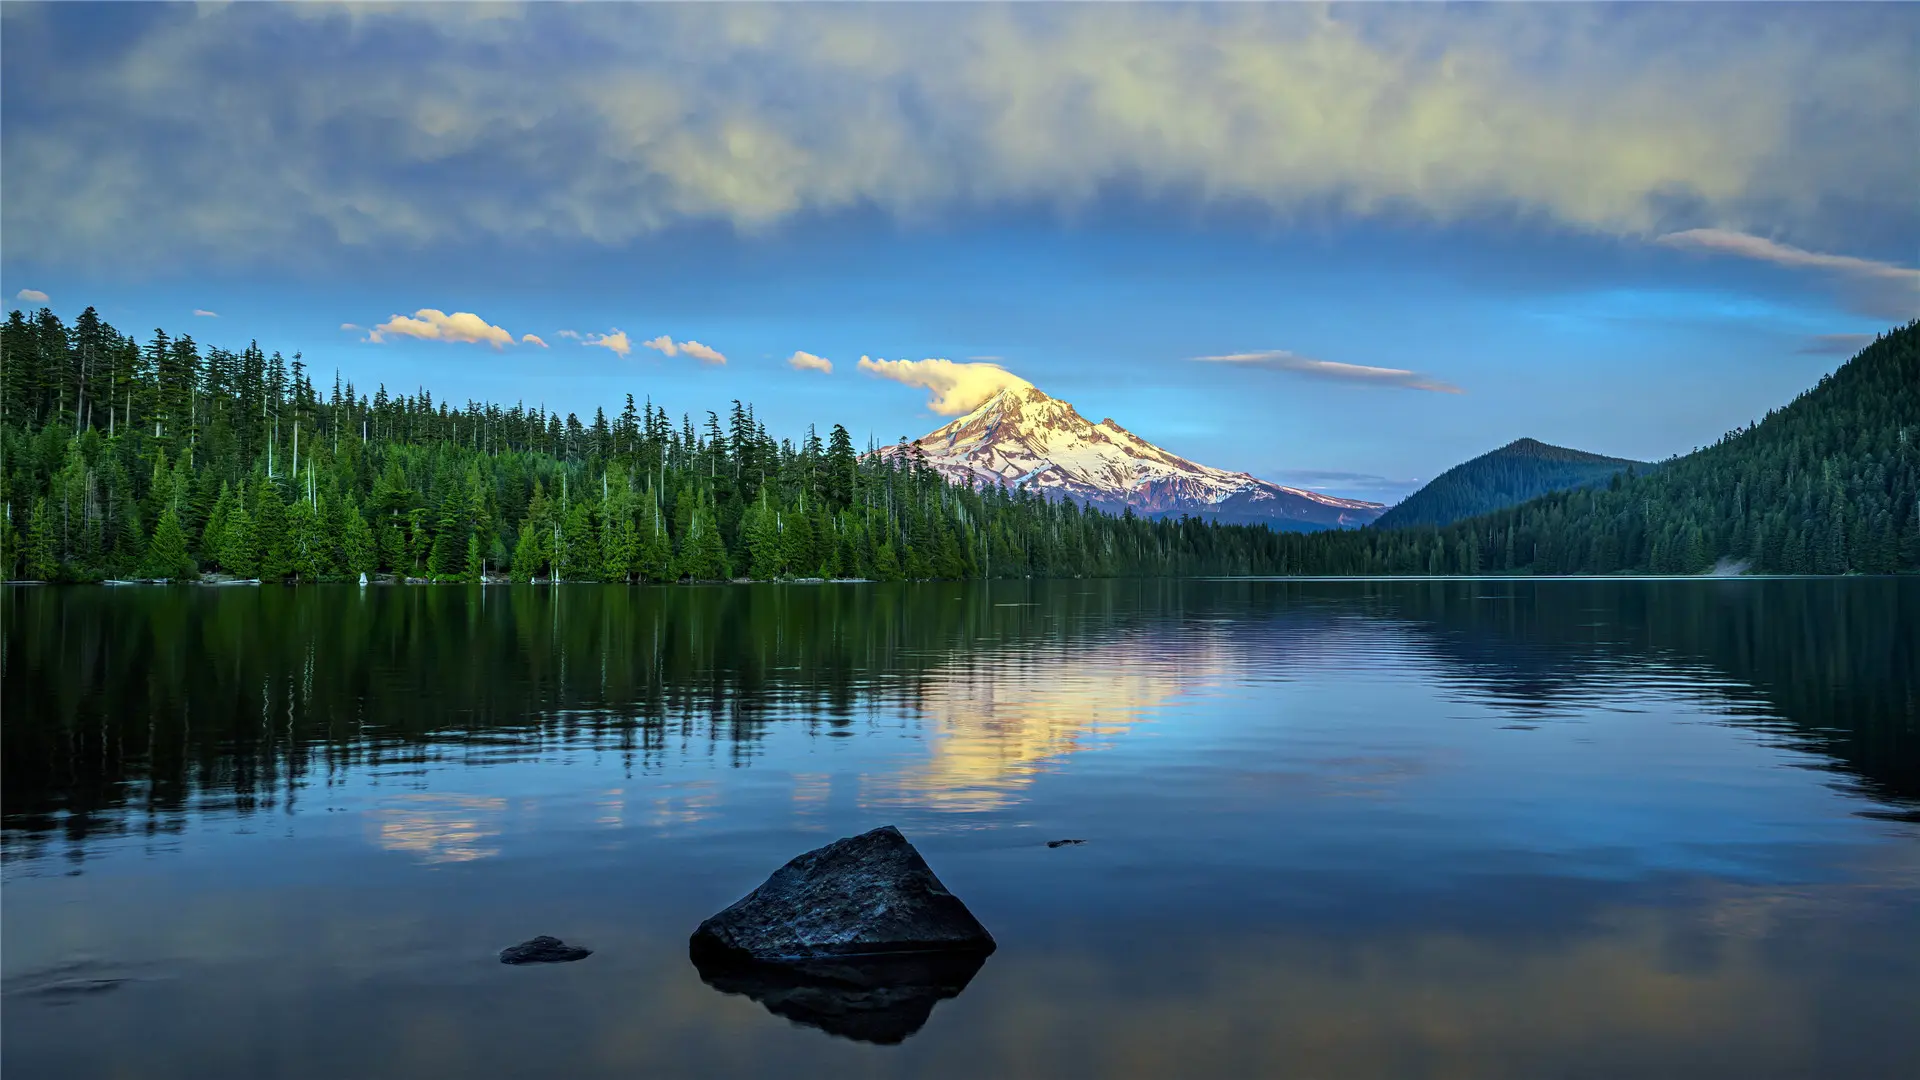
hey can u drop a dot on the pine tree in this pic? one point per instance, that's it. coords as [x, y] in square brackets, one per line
[356, 544]
[761, 532]
[41, 562]
[270, 530]
[702, 555]
[167, 551]
[240, 547]
[654, 558]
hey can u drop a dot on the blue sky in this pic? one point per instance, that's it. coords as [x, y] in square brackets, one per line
[1423, 232]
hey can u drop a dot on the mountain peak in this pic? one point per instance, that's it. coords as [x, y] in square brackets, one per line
[1023, 436]
[1534, 448]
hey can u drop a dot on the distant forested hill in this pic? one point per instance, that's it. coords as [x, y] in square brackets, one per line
[1516, 472]
[1826, 485]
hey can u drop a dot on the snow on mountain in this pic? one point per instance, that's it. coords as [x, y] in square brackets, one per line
[1021, 435]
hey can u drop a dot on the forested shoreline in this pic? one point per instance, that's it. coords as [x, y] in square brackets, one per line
[164, 460]
[161, 459]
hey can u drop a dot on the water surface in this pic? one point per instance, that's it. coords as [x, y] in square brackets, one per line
[1333, 829]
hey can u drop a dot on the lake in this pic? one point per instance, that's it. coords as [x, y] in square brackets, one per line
[1461, 828]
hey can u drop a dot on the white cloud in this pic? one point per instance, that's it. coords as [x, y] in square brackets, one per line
[350, 326]
[702, 353]
[802, 360]
[205, 314]
[432, 324]
[1608, 118]
[574, 334]
[956, 388]
[31, 296]
[616, 342]
[666, 346]
[532, 339]
[1282, 360]
[1882, 289]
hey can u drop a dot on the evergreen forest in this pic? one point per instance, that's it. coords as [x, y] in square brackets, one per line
[164, 460]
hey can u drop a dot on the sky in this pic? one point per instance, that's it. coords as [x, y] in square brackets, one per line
[1340, 247]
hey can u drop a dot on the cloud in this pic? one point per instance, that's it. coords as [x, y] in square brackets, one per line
[1356, 483]
[349, 326]
[532, 339]
[1282, 360]
[432, 324]
[205, 314]
[957, 388]
[1624, 119]
[1881, 289]
[574, 334]
[668, 347]
[803, 360]
[1835, 344]
[702, 353]
[616, 342]
[31, 296]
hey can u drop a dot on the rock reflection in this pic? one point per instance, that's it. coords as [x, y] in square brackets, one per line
[872, 999]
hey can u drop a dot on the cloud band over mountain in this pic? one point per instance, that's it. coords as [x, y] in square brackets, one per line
[1282, 360]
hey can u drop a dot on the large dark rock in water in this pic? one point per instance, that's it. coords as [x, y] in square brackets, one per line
[877, 998]
[858, 939]
[864, 895]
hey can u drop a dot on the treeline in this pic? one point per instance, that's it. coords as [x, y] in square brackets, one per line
[164, 460]
[1826, 485]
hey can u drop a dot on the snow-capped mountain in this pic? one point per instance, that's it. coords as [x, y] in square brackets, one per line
[1021, 435]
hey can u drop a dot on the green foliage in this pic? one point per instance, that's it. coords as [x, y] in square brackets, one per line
[41, 563]
[1826, 485]
[357, 551]
[408, 486]
[1516, 472]
[167, 552]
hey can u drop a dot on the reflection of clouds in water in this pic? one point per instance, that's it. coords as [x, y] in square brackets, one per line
[612, 805]
[811, 791]
[998, 722]
[677, 806]
[440, 828]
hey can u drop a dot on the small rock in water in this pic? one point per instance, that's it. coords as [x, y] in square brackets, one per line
[863, 895]
[1063, 843]
[543, 950]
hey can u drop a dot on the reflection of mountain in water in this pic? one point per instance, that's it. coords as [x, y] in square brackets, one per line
[876, 999]
[999, 719]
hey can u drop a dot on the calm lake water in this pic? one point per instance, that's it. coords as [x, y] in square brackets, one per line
[1333, 829]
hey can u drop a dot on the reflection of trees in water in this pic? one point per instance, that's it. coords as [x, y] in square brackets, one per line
[153, 703]
[127, 710]
[1837, 660]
